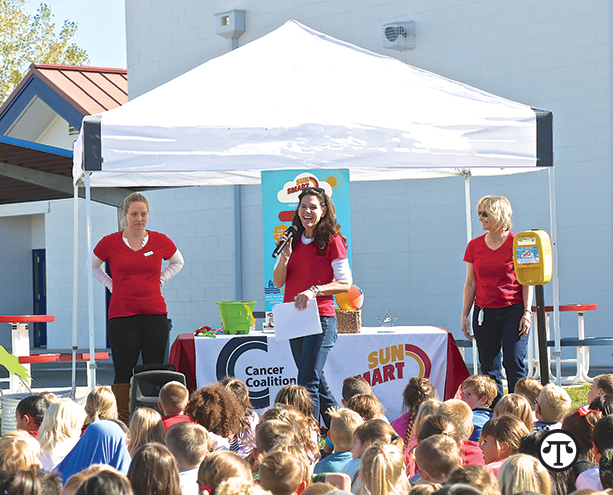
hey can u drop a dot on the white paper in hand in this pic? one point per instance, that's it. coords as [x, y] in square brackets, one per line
[291, 322]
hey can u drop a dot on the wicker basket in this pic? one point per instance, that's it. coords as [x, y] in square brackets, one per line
[348, 321]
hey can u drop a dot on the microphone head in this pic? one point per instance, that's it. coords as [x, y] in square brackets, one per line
[292, 230]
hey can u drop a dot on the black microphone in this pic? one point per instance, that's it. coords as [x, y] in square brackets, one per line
[289, 233]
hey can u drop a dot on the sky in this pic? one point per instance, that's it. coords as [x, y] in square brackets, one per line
[102, 27]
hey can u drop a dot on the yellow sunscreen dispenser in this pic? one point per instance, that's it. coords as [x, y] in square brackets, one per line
[532, 257]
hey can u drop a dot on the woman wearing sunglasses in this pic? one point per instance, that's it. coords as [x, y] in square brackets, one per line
[314, 266]
[502, 314]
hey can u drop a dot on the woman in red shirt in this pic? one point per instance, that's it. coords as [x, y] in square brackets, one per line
[502, 314]
[138, 318]
[315, 266]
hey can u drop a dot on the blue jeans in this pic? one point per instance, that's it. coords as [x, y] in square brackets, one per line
[499, 344]
[310, 355]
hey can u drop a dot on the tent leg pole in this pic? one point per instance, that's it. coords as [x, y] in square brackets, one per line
[91, 376]
[553, 220]
[469, 235]
[75, 288]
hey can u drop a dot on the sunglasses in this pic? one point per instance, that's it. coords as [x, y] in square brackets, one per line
[316, 189]
[483, 214]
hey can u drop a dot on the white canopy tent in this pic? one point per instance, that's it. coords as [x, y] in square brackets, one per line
[297, 98]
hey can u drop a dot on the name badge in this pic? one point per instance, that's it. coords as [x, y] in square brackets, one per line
[148, 253]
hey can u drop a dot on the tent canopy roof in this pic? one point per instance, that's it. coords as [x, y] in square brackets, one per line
[297, 98]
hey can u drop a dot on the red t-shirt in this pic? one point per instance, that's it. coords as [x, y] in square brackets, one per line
[306, 267]
[497, 286]
[175, 420]
[136, 274]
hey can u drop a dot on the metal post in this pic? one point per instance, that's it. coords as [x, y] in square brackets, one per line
[542, 333]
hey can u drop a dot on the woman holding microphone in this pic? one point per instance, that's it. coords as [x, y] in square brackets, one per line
[502, 314]
[138, 320]
[314, 265]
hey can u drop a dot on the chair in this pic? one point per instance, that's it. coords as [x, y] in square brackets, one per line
[145, 387]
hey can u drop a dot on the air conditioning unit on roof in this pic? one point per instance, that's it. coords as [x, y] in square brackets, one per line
[399, 35]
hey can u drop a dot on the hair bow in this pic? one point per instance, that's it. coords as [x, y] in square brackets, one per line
[584, 410]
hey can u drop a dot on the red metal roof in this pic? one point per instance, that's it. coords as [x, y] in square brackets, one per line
[90, 90]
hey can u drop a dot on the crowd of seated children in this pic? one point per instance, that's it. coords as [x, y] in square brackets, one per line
[365, 435]
[478, 476]
[283, 474]
[31, 411]
[244, 439]
[145, 427]
[522, 473]
[368, 406]
[501, 438]
[216, 408]
[103, 442]
[602, 440]
[153, 470]
[436, 458]
[530, 388]
[479, 391]
[173, 398]
[415, 393]
[343, 423]
[516, 405]
[59, 431]
[219, 467]
[100, 403]
[18, 451]
[382, 471]
[552, 405]
[461, 414]
[189, 444]
[602, 385]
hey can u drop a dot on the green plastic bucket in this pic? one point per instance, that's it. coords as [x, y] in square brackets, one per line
[236, 316]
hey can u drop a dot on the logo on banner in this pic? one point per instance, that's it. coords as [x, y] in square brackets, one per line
[387, 364]
[258, 379]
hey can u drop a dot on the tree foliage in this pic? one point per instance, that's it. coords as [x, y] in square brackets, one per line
[27, 39]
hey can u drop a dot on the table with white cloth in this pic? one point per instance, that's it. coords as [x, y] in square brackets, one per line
[386, 356]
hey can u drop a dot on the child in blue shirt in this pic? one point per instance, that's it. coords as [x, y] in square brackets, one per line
[343, 423]
[479, 391]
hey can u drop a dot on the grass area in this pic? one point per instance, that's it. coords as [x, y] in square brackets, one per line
[578, 394]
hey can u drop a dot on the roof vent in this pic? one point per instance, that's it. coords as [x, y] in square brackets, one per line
[399, 35]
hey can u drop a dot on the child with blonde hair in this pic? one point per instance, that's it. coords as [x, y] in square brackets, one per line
[501, 438]
[343, 422]
[382, 471]
[145, 427]
[516, 405]
[219, 467]
[436, 457]
[100, 404]
[283, 474]
[366, 434]
[530, 388]
[523, 473]
[18, 451]
[368, 406]
[461, 414]
[60, 431]
[479, 391]
[173, 398]
[477, 476]
[189, 444]
[552, 405]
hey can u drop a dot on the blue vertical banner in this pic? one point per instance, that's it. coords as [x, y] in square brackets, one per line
[280, 191]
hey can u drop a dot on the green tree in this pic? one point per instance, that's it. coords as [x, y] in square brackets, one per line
[27, 39]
